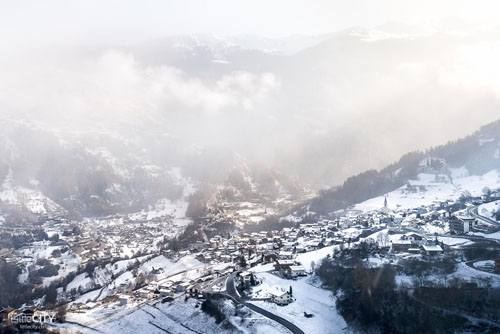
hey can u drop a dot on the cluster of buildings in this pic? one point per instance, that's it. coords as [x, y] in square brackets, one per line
[415, 243]
[87, 240]
[411, 231]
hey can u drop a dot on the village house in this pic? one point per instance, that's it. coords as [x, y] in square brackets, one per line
[181, 287]
[145, 293]
[183, 253]
[205, 258]
[411, 222]
[5, 315]
[24, 316]
[124, 299]
[246, 278]
[432, 250]
[414, 238]
[286, 255]
[401, 245]
[300, 249]
[253, 261]
[281, 297]
[269, 257]
[296, 271]
[225, 258]
[166, 292]
[283, 265]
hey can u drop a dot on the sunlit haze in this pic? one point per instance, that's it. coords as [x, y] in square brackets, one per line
[237, 166]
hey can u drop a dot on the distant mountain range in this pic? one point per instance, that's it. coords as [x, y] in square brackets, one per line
[371, 90]
[106, 129]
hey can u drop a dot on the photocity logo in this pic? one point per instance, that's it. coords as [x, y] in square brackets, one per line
[29, 320]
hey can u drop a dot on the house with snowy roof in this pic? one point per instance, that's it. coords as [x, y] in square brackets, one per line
[283, 265]
[431, 250]
[296, 271]
[401, 245]
[281, 297]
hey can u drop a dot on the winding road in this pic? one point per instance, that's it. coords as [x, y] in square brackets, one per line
[470, 264]
[235, 296]
[473, 211]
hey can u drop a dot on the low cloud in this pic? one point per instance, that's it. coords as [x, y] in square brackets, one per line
[323, 114]
[115, 87]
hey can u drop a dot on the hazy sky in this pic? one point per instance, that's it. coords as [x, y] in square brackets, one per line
[312, 109]
[107, 21]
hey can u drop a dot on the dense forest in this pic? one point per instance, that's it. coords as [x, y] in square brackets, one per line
[369, 298]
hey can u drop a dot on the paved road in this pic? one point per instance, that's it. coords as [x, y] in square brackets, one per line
[471, 265]
[473, 211]
[234, 295]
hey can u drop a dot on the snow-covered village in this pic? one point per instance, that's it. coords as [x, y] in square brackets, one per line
[106, 276]
[249, 167]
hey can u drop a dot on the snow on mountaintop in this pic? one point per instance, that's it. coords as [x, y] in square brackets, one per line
[452, 27]
[220, 46]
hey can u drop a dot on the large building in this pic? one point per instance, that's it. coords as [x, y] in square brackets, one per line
[461, 225]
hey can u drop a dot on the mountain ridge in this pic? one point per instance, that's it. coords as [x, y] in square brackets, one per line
[478, 153]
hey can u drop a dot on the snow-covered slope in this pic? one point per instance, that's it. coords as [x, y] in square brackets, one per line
[489, 209]
[433, 188]
[30, 200]
[423, 177]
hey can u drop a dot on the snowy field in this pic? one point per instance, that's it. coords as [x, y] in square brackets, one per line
[313, 259]
[32, 200]
[309, 299]
[179, 316]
